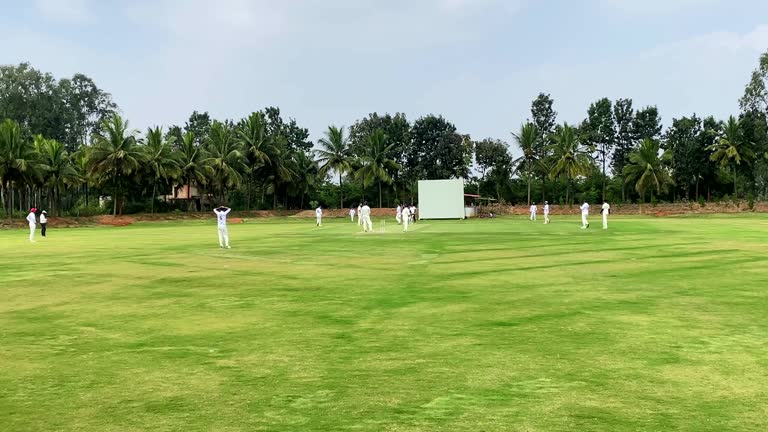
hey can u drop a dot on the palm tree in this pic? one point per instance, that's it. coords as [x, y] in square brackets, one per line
[569, 158]
[194, 167]
[306, 170]
[647, 169]
[527, 140]
[161, 161]
[252, 136]
[116, 155]
[731, 148]
[17, 161]
[59, 170]
[226, 159]
[335, 155]
[376, 163]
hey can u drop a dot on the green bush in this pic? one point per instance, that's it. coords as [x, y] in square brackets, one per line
[702, 202]
[751, 201]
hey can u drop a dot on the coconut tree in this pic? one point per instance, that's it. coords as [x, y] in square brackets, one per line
[731, 148]
[376, 162]
[252, 136]
[647, 168]
[226, 159]
[527, 139]
[569, 157]
[160, 160]
[194, 166]
[58, 169]
[116, 156]
[17, 161]
[335, 155]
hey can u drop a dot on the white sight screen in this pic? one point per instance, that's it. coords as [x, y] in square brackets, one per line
[441, 199]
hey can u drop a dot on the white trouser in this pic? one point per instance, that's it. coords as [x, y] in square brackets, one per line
[32, 232]
[584, 221]
[367, 225]
[223, 236]
[546, 217]
[319, 220]
[405, 225]
[352, 217]
[359, 220]
[399, 218]
[533, 216]
[605, 219]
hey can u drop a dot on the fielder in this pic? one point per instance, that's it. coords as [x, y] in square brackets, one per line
[365, 217]
[319, 215]
[43, 222]
[534, 210]
[221, 216]
[359, 213]
[406, 217]
[32, 224]
[546, 212]
[584, 215]
[399, 214]
[605, 211]
[352, 214]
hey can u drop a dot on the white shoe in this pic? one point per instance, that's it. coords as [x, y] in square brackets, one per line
[229, 247]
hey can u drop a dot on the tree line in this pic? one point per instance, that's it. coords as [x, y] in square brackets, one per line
[64, 145]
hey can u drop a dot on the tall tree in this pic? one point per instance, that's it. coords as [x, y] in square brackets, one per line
[527, 139]
[160, 160]
[437, 151]
[689, 155]
[398, 131]
[756, 92]
[116, 156]
[731, 149]
[647, 169]
[625, 143]
[86, 106]
[376, 164]
[570, 158]
[17, 160]
[194, 165]
[251, 133]
[58, 169]
[544, 117]
[200, 126]
[647, 124]
[335, 155]
[490, 153]
[226, 159]
[599, 130]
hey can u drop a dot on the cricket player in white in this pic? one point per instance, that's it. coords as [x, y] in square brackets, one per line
[406, 216]
[352, 214]
[221, 216]
[534, 210]
[43, 222]
[319, 215]
[584, 214]
[605, 210]
[365, 216]
[399, 214]
[546, 212]
[359, 214]
[32, 224]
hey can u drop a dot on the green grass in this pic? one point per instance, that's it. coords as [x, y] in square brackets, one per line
[486, 325]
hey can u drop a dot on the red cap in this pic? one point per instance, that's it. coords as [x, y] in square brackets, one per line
[33, 210]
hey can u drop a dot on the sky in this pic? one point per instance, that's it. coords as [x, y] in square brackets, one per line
[479, 63]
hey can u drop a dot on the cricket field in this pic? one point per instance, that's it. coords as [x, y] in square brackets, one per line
[657, 324]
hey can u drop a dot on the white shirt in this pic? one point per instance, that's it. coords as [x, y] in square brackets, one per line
[546, 208]
[365, 211]
[319, 212]
[351, 212]
[43, 219]
[406, 213]
[399, 210]
[360, 210]
[31, 218]
[585, 209]
[534, 209]
[606, 208]
[222, 217]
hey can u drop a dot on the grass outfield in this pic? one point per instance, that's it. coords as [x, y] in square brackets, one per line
[485, 325]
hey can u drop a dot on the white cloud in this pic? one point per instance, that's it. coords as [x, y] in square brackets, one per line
[65, 11]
